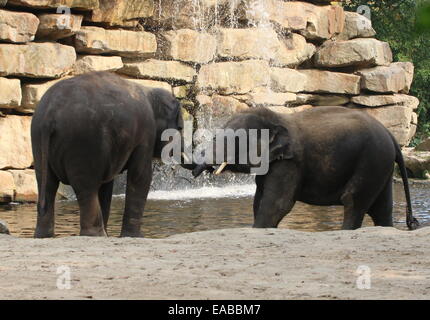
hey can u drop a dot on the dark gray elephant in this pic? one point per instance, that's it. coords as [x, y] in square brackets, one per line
[88, 129]
[323, 156]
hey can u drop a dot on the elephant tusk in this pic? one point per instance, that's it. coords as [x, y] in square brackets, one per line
[184, 155]
[221, 168]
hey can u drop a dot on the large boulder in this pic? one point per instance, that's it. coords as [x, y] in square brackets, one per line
[186, 14]
[56, 26]
[10, 94]
[119, 12]
[417, 163]
[356, 26]
[234, 77]
[79, 4]
[399, 120]
[15, 142]
[187, 45]
[263, 43]
[356, 52]
[313, 22]
[287, 80]
[331, 82]
[397, 77]
[174, 71]
[7, 187]
[17, 27]
[91, 63]
[125, 43]
[36, 60]
[25, 185]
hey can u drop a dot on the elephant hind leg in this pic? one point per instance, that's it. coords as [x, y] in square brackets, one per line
[91, 213]
[46, 215]
[353, 213]
[105, 199]
[381, 210]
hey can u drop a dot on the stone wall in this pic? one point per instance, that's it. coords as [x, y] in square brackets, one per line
[216, 56]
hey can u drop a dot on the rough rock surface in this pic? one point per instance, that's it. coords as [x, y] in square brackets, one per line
[222, 264]
[10, 94]
[331, 82]
[386, 100]
[125, 43]
[32, 93]
[187, 45]
[15, 142]
[394, 78]
[417, 162]
[17, 27]
[91, 63]
[80, 4]
[58, 26]
[7, 187]
[25, 185]
[356, 26]
[287, 80]
[234, 77]
[356, 52]
[119, 12]
[160, 70]
[36, 60]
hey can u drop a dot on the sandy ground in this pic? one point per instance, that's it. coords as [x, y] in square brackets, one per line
[222, 264]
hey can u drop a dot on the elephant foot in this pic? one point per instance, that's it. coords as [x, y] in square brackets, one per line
[92, 232]
[41, 233]
[131, 234]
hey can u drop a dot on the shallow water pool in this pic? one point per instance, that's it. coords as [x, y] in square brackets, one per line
[173, 212]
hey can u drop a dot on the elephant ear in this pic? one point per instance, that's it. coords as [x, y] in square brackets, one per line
[280, 144]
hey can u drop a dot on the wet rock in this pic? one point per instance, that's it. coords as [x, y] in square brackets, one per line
[79, 4]
[36, 60]
[356, 52]
[160, 70]
[58, 26]
[10, 94]
[125, 43]
[90, 63]
[356, 26]
[25, 185]
[234, 77]
[120, 12]
[331, 82]
[313, 22]
[417, 163]
[187, 45]
[15, 142]
[7, 187]
[17, 27]
[397, 77]
[263, 43]
[287, 80]
[3, 228]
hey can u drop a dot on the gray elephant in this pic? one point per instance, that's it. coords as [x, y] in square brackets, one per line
[88, 129]
[324, 156]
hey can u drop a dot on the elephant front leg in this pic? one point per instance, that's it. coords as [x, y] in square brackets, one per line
[139, 177]
[276, 194]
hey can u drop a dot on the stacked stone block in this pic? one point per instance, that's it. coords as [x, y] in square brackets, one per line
[217, 56]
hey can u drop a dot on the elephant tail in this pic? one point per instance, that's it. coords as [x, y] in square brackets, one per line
[411, 221]
[46, 137]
